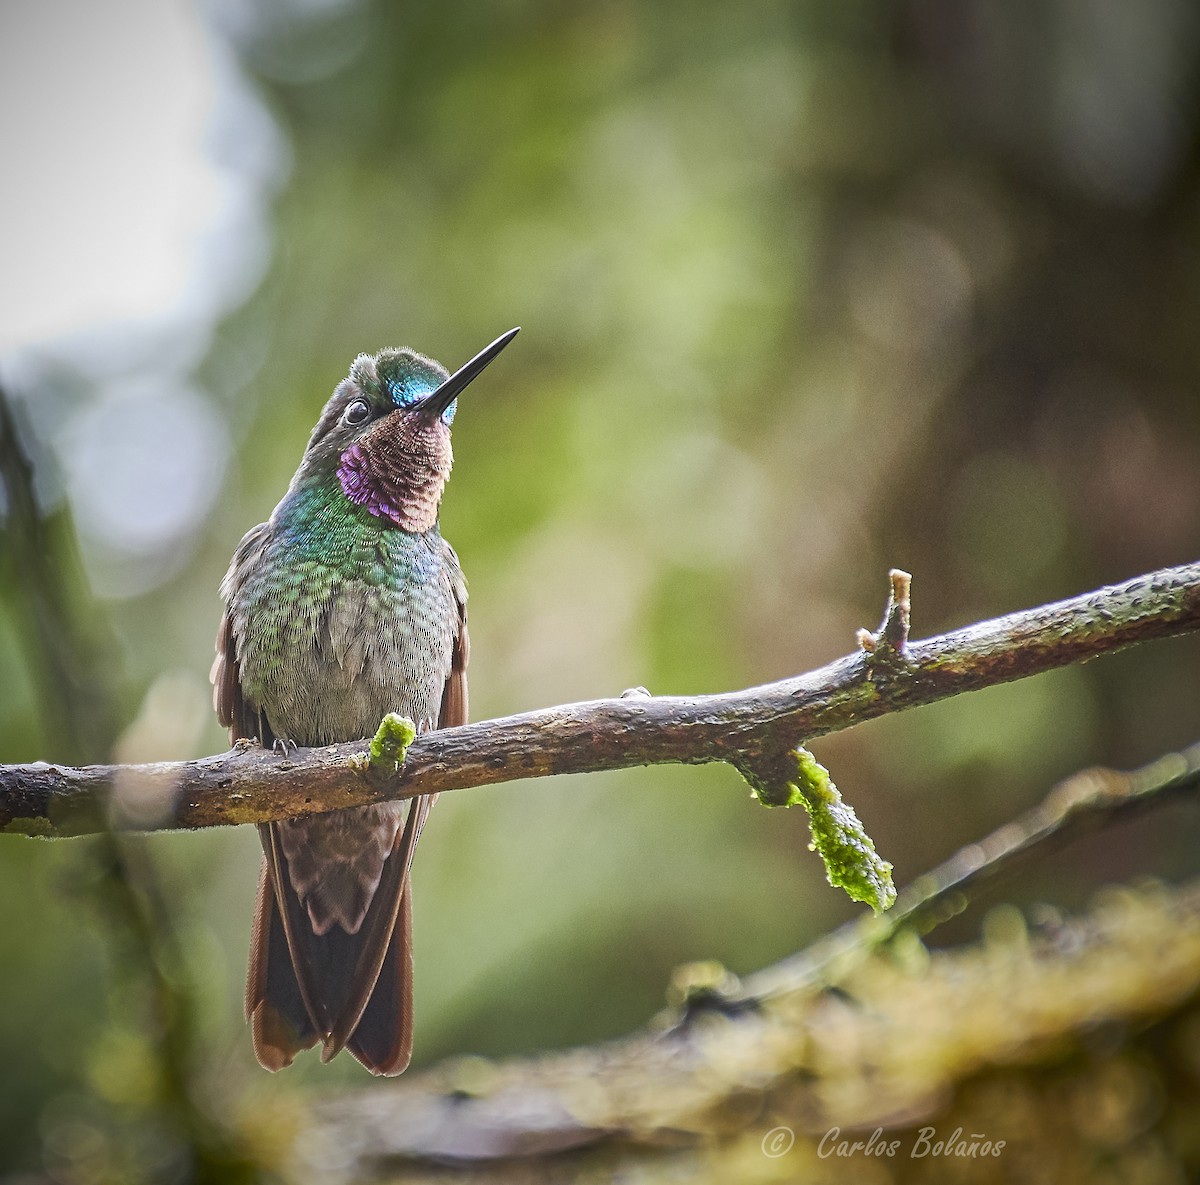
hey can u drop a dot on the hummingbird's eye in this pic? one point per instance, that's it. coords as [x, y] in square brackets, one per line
[356, 412]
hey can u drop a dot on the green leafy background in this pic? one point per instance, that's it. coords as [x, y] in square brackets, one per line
[807, 291]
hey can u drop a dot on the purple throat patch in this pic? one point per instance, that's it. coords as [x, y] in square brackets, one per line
[354, 472]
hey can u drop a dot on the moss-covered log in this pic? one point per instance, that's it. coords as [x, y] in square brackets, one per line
[1067, 1051]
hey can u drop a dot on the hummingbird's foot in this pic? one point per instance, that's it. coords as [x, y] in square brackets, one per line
[284, 745]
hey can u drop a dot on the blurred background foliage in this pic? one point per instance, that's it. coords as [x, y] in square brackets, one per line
[808, 290]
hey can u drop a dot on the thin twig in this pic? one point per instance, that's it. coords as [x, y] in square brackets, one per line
[754, 730]
[889, 643]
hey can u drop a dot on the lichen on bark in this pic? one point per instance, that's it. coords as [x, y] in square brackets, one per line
[389, 745]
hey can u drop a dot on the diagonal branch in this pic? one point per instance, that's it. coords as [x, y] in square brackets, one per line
[755, 730]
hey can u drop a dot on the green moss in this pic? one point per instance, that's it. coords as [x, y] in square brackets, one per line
[34, 827]
[851, 861]
[390, 743]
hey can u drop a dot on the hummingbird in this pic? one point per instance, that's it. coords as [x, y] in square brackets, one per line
[345, 605]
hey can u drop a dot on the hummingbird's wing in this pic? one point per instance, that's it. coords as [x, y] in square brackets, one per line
[279, 1005]
[234, 711]
[381, 1039]
[454, 697]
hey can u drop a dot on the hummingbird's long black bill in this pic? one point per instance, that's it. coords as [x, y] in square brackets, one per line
[435, 403]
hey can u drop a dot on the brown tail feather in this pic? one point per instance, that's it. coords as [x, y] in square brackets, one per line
[383, 1038]
[279, 1022]
[380, 934]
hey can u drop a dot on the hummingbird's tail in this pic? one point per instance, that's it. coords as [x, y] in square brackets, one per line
[343, 989]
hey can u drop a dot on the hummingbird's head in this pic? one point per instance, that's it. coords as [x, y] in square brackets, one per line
[385, 432]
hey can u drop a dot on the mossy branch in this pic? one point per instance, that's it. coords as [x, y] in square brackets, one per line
[739, 1059]
[756, 730]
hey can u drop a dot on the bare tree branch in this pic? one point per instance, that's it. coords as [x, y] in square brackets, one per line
[755, 730]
